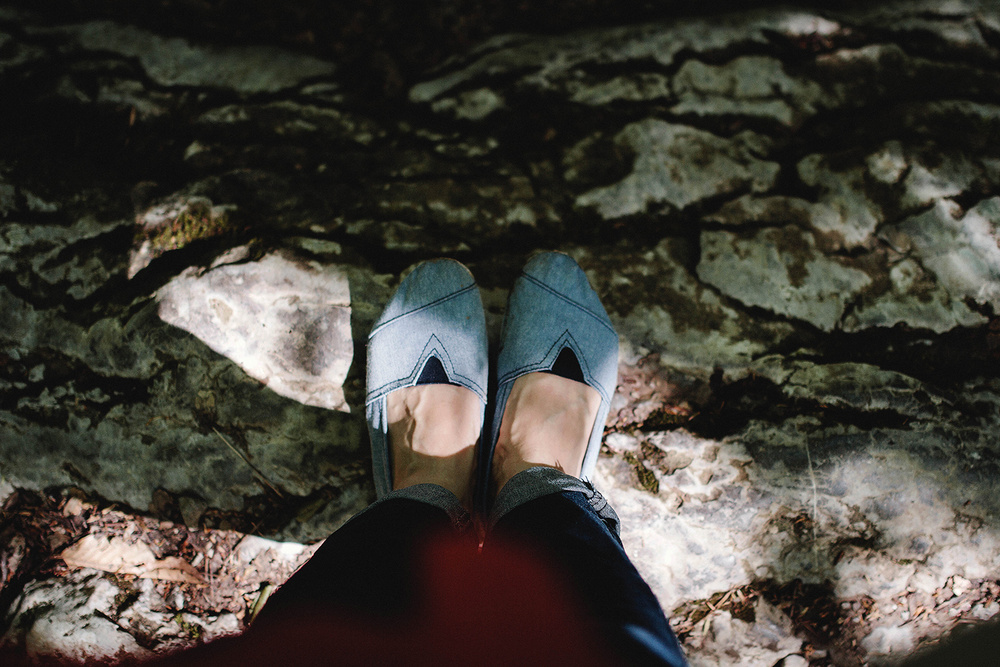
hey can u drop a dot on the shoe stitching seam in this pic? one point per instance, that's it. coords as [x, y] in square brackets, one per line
[545, 287]
[425, 355]
[436, 302]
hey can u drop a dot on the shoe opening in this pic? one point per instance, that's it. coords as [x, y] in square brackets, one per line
[567, 366]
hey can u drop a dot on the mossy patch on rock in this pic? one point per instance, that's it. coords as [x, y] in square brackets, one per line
[173, 224]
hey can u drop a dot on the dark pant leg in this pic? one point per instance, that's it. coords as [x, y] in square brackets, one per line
[566, 530]
[366, 567]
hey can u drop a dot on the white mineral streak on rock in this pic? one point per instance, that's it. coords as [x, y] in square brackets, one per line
[287, 323]
[724, 641]
[55, 618]
[558, 63]
[749, 86]
[80, 618]
[679, 165]
[961, 250]
[782, 271]
[472, 104]
[844, 211]
[914, 299]
[176, 62]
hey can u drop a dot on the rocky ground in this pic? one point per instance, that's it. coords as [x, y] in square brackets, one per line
[791, 215]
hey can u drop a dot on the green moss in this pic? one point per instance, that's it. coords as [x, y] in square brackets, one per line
[647, 478]
[192, 630]
[194, 222]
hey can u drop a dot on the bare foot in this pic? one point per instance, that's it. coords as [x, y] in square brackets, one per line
[433, 431]
[547, 422]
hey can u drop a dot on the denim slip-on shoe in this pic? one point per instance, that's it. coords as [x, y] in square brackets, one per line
[552, 308]
[436, 312]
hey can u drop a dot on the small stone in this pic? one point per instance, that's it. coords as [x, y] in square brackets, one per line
[960, 585]
[890, 640]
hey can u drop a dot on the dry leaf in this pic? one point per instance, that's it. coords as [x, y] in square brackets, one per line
[114, 554]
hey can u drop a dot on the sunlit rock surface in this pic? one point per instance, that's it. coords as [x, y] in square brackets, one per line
[791, 216]
[285, 323]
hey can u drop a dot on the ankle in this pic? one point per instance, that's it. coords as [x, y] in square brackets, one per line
[547, 421]
[433, 433]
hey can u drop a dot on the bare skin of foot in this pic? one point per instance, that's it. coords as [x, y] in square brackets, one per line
[433, 432]
[547, 422]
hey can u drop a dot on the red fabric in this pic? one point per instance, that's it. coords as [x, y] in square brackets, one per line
[500, 607]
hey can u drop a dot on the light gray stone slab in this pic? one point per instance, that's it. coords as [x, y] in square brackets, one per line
[960, 248]
[286, 323]
[754, 86]
[560, 63]
[678, 166]
[781, 270]
[658, 306]
[177, 62]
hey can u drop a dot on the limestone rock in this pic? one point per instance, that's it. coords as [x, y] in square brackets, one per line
[747, 86]
[39, 249]
[90, 617]
[844, 210]
[727, 641]
[915, 299]
[286, 323]
[960, 248]
[54, 620]
[123, 410]
[657, 304]
[791, 218]
[852, 385]
[288, 120]
[177, 62]
[563, 63]
[679, 166]
[780, 269]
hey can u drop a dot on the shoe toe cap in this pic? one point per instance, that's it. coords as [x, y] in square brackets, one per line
[560, 273]
[426, 284]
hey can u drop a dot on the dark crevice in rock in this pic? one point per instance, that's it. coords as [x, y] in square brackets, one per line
[947, 359]
[925, 43]
[382, 48]
[815, 612]
[77, 378]
[733, 405]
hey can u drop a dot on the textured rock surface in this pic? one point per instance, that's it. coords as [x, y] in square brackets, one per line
[286, 324]
[791, 215]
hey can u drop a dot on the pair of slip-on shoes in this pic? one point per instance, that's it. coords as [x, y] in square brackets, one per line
[434, 331]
